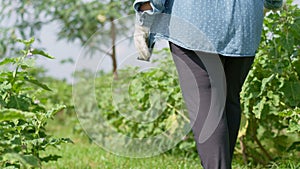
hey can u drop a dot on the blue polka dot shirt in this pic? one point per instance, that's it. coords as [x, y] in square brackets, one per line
[227, 27]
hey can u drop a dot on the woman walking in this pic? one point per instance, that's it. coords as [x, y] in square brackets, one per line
[232, 28]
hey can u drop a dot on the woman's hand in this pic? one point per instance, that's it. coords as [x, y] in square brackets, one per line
[145, 6]
[142, 33]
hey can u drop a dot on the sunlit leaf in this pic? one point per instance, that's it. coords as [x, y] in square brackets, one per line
[14, 114]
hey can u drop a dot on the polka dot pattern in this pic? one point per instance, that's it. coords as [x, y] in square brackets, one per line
[233, 27]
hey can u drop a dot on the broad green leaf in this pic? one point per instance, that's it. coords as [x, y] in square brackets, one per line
[14, 114]
[42, 53]
[258, 109]
[31, 160]
[26, 160]
[5, 85]
[291, 92]
[36, 82]
[265, 82]
[20, 102]
[7, 61]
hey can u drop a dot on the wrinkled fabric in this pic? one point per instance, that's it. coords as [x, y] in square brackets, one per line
[227, 27]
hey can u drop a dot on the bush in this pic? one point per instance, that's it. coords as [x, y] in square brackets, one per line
[270, 97]
[23, 117]
[153, 106]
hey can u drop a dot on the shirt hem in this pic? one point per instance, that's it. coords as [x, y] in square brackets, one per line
[206, 51]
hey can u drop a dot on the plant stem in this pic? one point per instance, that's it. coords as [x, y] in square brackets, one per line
[243, 148]
[262, 148]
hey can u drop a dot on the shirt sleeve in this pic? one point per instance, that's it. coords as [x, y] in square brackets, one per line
[146, 18]
[273, 4]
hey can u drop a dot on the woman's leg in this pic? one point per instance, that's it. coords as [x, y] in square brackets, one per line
[236, 70]
[217, 151]
[196, 89]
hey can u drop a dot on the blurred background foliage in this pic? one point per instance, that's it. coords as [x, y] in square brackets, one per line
[78, 21]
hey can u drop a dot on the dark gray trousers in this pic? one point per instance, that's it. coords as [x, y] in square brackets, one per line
[217, 151]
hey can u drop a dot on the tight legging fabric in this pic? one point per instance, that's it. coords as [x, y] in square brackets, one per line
[217, 151]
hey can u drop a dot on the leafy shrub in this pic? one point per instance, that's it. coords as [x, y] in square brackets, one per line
[23, 117]
[137, 104]
[270, 98]
[61, 94]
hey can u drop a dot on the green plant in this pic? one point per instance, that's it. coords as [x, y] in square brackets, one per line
[137, 104]
[80, 20]
[270, 97]
[22, 117]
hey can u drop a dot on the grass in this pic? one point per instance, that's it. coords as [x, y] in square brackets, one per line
[85, 155]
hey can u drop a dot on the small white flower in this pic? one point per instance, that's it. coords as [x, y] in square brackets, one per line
[270, 36]
[29, 53]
